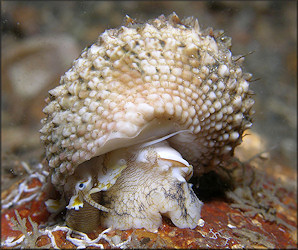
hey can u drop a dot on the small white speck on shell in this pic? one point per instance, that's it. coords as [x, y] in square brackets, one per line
[234, 136]
[223, 70]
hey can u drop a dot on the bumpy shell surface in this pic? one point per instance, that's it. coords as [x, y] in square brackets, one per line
[167, 71]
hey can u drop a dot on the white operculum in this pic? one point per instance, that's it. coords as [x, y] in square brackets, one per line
[154, 182]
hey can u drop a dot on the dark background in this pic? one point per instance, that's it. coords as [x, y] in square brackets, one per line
[41, 39]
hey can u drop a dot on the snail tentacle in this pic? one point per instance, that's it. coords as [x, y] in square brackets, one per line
[93, 203]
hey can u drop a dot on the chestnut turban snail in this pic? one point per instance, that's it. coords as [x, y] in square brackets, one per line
[138, 112]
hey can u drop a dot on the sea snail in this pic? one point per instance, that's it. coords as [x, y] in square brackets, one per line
[137, 113]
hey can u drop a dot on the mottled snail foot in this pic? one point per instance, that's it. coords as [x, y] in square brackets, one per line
[182, 205]
[153, 184]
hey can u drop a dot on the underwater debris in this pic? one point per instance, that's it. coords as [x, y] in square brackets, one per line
[247, 236]
[29, 238]
[21, 195]
[257, 197]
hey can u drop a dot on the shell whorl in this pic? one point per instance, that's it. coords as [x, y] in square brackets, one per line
[165, 70]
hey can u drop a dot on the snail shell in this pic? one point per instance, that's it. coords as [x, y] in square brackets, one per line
[136, 84]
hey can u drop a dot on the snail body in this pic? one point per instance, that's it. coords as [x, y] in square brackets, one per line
[154, 183]
[138, 94]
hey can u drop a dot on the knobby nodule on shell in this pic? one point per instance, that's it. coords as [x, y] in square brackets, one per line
[138, 112]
